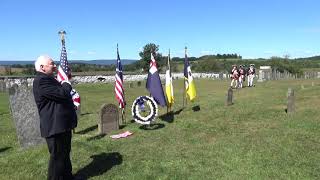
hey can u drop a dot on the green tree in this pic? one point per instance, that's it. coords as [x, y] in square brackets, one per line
[146, 56]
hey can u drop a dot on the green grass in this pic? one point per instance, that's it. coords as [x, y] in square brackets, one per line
[252, 139]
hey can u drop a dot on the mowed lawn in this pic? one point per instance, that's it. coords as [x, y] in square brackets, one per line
[252, 139]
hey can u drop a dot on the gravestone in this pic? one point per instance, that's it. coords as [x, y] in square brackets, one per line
[109, 118]
[291, 101]
[229, 98]
[130, 85]
[312, 84]
[302, 86]
[139, 83]
[221, 76]
[2, 86]
[25, 116]
[264, 73]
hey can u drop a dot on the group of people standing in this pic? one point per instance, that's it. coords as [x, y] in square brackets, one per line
[238, 75]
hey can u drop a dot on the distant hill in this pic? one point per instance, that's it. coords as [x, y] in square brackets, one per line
[97, 62]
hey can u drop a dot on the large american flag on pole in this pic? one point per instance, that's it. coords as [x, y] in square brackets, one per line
[119, 83]
[64, 74]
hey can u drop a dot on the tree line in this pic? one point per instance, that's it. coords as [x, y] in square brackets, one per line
[206, 63]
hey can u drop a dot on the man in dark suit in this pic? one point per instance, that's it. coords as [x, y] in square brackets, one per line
[57, 117]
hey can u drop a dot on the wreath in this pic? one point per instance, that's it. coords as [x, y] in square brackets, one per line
[144, 109]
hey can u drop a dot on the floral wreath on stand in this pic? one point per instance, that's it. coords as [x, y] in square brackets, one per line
[144, 110]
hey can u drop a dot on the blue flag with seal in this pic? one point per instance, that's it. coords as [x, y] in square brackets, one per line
[154, 83]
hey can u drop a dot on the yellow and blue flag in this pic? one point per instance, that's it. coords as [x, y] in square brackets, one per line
[188, 79]
[169, 87]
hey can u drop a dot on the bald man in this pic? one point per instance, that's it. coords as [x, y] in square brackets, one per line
[57, 117]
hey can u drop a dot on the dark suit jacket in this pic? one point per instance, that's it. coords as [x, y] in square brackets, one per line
[55, 105]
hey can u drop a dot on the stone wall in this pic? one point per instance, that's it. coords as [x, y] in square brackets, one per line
[9, 81]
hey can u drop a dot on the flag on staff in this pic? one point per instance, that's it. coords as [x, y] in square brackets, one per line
[64, 74]
[169, 87]
[64, 71]
[119, 83]
[188, 79]
[154, 83]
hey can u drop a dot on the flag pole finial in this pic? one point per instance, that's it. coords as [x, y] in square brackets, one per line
[62, 34]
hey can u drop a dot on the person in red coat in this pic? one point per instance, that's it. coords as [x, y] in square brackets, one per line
[57, 117]
[234, 74]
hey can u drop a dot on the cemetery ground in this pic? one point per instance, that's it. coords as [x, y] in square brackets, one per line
[252, 139]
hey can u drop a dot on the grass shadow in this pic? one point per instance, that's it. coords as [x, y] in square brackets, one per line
[152, 126]
[168, 117]
[178, 111]
[122, 126]
[4, 149]
[83, 114]
[85, 131]
[97, 137]
[196, 108]
[99, 165]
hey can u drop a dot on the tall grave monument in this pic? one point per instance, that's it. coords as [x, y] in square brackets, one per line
[25, 116]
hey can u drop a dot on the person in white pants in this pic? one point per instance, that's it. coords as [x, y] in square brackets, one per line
[251, 75]
[241, 75]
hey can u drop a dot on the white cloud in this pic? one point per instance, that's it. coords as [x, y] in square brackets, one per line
[206, 52]
[73, 52]
[269, 52]
[311, 30]
[91, 52]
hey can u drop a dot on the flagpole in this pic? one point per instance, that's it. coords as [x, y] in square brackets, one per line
[62, 33]
[122, 109]
[185, 92]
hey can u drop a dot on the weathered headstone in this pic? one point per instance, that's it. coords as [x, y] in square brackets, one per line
[302, 86]
[139, 83]
[2, 86]
[109, 119]
[221, 76]
[130, 85]
[264, 73]
[25, 116]
[229, 98]
[312, 84]
[291, 101]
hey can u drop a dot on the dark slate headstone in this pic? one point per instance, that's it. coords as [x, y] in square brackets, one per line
[291, 101]
[25, 116]
[109, 118]
[139, 83]
[229, 99]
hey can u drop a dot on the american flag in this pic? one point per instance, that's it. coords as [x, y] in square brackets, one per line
[64, 74]
[119, 83]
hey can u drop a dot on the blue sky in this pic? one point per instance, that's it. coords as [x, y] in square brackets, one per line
[250, 28]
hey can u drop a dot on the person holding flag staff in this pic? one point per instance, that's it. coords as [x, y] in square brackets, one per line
[169, 87]
[57, 116]
[190, 89]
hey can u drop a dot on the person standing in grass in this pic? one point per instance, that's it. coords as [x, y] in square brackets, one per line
[242, 73]
[57, 117]
[251, 73]
[234, 74]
